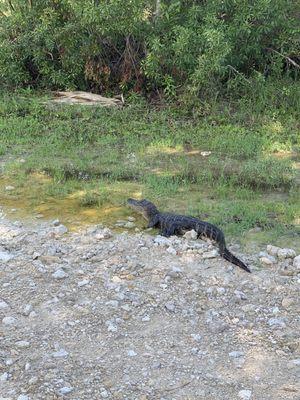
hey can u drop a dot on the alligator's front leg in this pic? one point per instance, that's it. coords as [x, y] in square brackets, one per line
[153, 222]
[169, 230]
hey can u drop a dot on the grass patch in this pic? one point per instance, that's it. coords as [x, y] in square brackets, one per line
[221, 167]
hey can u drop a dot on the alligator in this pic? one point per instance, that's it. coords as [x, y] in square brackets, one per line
[174, 224]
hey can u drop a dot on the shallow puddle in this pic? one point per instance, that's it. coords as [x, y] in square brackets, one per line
[28, 202]
[29, 198]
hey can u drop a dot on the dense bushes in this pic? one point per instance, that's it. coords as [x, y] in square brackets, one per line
[150, 46]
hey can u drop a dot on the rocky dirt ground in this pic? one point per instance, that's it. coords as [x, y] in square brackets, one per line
[101, 315]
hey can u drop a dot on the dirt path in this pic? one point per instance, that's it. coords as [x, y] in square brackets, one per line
[95, 315]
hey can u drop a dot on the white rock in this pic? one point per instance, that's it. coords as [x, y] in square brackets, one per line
[210, 254]
[111, 327]
[162, 241]
[22, 344]
[296, 262]
[276, 322]
[65, 390]
[191, 235]
[60, 353]
[171, 250]
[104, 394]
[131, 353]
[83, 282]
[272, 250]
[236, 354]
[174, 272]
[59, 274]
[9, 321]
[196, 336]
[27, 310]
[245, 394]
[60, 230]
[4, 256]
[286, 253]
[170, 306]
[3, 305]
[104, 234]
[23, 397]
[55, 222]
[146, 318]
[9, 188]
[27, 366]
[4, 377]
[296, 362]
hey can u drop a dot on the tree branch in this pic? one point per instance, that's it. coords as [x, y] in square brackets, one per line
[286, 57]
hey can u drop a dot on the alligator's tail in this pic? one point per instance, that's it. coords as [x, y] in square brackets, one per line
[234, 260]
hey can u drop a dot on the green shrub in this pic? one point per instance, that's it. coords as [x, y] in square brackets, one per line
[187, 48]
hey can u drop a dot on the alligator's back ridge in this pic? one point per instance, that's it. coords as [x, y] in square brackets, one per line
[174, 224]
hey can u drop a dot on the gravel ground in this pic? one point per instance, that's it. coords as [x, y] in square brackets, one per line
[100, 315]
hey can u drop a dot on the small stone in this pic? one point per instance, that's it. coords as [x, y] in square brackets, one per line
[22, 344]
[9, 188]
[4, 377]
[146, 318]
[3, 305]
[9, 321]
[245, 394]
[84, 282]
[196, 337]
[191, 235]
[5, 257]
[210, 254]
[56, 222]
[129, 225]
[27, 310]
[296, 262]
[240, 295]
[60, 353]
[272, 250]
[104, 394]
[59, 274]
[276, 322]
[23, 397]
[174, 272]
[287, 302]
[111, 327]
[131, 219]
[286, 253]
[170, 306]
[65, 390]
[295, 362]
[236, 354]
[162, 241]
[171, 250]
[268, 260]
[27, 366]
[60, 230]
[131, 353]
[104, 234]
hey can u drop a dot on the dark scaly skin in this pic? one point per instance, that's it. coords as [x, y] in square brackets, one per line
[173, 224]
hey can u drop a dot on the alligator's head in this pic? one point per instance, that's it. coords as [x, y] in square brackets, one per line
[144, 207]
